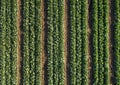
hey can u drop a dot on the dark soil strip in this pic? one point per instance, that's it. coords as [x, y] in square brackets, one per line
[111, 34]
[43, 21]
[45, 41]
[89, 44]
[110, 44]
[21, 37]
[65, 38]
[68, 40]
[19, 42]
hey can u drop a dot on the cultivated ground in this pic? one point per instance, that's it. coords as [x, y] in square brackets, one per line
[66, 42]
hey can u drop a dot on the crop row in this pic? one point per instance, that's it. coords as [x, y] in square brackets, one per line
[31, 47]
[104, 44]
[61, 44]
[78, 42]
[50, 42]
[8, 40]
[13, 56]
[25, 42]
[32, 41]
[72, 48]
[100, 43]
[55, 42]
[103, 57]
[2, 42]
[106, 79]
[94, 41]
[100, 57]
[55, 66]
[116, 41]
[7, 45]
[37, 41]
[84, 57]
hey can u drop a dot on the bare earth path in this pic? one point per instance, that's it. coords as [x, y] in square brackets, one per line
[43, 60]
[19, 42]
[65, 38]
[111, 43]
[89, 44]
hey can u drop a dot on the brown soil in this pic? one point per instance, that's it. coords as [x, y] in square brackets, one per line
[110, 52]
[19, 43]
[110, 44]
[65, 38]
[111, 29]
[89, 46]
[43, 42]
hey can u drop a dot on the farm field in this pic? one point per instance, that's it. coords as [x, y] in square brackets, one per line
[59, 42]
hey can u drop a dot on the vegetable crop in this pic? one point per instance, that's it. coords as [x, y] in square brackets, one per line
[13, 42]
[55, 42]
[8, 41]
[37, 42]
[55, 65]
[2, 41]
[100, 43]
[84, 42]
[61, 66]
[50, 41]
[25, 43]
[78, 42]
[92, 38]
[7, 45]
[94, 41]
[116, 40]
[72, 48]
[31, 43]
[106, 41]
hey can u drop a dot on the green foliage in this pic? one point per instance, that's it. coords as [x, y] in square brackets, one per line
[8, 40]
[103, 57]
[100, 43]
[50, 41]
[55, 66]
[13, 42]
[8, 44]
[116, 35]
[78, 43]
[72, 48]
[32, 41]
[94, 44]
[25, 43]
[55, 42]
[2, 42]
[106, 41]
[61, 44]
[78, 22]
[84, 70]
[37, 29]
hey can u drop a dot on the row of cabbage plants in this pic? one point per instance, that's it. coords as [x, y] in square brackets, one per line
[55, 64]
[31, 42]
[78, 42]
